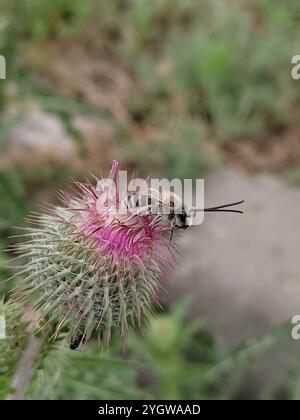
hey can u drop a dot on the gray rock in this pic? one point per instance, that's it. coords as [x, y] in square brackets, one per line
[41, 136]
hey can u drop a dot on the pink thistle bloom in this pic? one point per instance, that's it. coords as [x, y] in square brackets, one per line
[135, 236]
[92, 269]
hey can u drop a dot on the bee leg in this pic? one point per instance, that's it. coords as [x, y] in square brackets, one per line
[156, 220]
[171, 236]
[118, 221]
[172, 229]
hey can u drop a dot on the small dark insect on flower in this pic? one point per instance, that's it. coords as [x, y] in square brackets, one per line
[89, 271]
[76, 342]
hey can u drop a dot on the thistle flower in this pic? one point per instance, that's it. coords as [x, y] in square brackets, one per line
[90, 270]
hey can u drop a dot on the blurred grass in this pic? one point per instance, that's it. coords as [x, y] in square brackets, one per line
[170, 360]
[13, 203]
[168, 156]
[293, 176]
[224, 65]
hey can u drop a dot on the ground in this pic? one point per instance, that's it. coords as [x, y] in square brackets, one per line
[243, 270]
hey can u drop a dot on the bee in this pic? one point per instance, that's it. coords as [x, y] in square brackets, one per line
[168, 206]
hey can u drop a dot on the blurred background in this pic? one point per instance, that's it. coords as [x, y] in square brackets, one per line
[171, 88]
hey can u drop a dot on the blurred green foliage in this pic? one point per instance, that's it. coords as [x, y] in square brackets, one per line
[12, 347]
[13, 202]
[35, 21]
[293, 176]
[223, 65]
[5, 273]
[172, 359]
[169, 157]
[231, 65]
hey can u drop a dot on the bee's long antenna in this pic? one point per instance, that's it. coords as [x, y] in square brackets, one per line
[223, 208]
